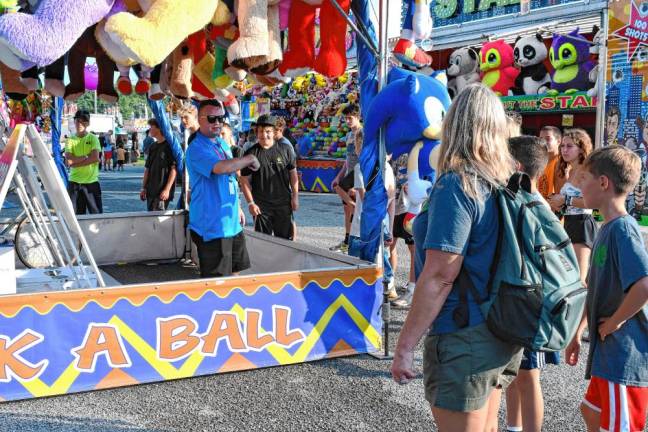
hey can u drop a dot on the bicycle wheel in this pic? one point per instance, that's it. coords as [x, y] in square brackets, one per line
[35, 252]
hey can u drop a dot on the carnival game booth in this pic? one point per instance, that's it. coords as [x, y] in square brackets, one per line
[116, 300]
[311, 105]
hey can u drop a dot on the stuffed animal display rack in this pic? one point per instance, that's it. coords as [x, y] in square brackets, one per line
[190, 49]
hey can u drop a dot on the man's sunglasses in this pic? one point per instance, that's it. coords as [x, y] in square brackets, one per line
[214, 119]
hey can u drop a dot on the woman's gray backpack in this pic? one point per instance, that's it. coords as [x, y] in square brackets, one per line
[535, 294]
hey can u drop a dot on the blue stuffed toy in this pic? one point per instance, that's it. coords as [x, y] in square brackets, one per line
[410, 108]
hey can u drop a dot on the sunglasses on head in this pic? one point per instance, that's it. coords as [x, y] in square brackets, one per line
[214, 119]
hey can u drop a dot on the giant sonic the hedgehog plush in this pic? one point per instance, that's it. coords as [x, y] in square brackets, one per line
[496, 65]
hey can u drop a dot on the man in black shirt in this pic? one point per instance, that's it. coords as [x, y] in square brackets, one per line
[158, 184]
[272, 192]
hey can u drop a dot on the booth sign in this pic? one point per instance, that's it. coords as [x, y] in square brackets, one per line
[573, 102]
[72, 341]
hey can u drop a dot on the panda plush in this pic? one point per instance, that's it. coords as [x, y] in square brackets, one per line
[530, 53]
[463, 69]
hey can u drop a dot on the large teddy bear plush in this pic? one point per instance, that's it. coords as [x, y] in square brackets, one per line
[149, 39]
[300, 57]
[46, 35]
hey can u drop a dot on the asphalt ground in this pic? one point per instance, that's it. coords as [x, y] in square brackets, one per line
[351, 393]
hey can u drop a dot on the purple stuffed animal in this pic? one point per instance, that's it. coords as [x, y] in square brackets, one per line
[569, 55]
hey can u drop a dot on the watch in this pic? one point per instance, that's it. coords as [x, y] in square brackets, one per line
[568, 200]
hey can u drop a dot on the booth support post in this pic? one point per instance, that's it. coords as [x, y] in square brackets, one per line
[602, 72]
[383, 62]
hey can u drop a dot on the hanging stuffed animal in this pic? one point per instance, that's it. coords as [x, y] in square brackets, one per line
[258, 48]
[301, 57]
[411, 108]
[462, 70]
[496, 65]
[181, 72]
[530, 53]
[87, 46]
[149, 39]
[11, 83]
[44, 37]
[595, 50]
[417, 26]
[569, 55]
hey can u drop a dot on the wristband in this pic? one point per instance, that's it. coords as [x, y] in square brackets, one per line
[250, 203]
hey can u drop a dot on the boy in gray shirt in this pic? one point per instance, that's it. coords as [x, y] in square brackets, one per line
[617, 300]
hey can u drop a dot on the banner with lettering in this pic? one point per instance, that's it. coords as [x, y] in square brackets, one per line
[448, 12]
[573, 102]
[58, 343]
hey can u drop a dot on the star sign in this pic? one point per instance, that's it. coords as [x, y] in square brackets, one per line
[636, 32]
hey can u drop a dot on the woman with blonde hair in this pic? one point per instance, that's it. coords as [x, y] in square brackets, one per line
[464, 365]
[579, 223]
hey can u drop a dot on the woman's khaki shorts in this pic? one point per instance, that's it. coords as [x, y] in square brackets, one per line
[461, 369]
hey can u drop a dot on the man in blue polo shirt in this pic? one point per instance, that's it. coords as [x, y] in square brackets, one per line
[215, 215]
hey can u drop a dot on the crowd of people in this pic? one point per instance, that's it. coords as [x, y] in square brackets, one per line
[466, 367]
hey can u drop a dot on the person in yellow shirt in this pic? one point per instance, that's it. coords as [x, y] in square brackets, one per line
[82, 156]
[546, 182]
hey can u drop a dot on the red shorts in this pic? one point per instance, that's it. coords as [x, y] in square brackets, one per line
[622, 408]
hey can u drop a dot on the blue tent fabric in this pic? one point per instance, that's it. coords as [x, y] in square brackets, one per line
[160, 114]
[375, 201]
[55, 120]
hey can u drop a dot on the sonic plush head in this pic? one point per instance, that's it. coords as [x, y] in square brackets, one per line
[411, 109]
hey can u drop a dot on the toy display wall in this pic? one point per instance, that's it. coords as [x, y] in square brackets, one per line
[312, 107]
[560, 109]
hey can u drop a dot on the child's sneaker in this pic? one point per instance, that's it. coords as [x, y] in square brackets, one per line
[391, 291]
[409, 54]
[405, 301]
[341, 247]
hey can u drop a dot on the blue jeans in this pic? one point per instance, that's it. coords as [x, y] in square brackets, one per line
[354, 250]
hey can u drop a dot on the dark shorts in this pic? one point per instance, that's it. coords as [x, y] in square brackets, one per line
[581, 229]
[399, 229]
[538, 359]
[86, 197]
[155, 204]
[277, 221]
[120, 162]
[461, 369]
[347, 182]
[221, 257]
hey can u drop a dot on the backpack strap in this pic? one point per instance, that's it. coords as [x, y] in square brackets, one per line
[461, 315]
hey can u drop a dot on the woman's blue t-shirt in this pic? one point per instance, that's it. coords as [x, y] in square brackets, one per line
[462, 225]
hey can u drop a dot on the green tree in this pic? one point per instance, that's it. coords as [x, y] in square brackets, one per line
[86, 102]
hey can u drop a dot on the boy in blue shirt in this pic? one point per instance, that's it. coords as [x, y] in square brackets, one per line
[617, 300]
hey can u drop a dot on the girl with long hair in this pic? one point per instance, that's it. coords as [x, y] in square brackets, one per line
[579, 223]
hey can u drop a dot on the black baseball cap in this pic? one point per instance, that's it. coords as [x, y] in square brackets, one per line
[266, 120]
[82, 115]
